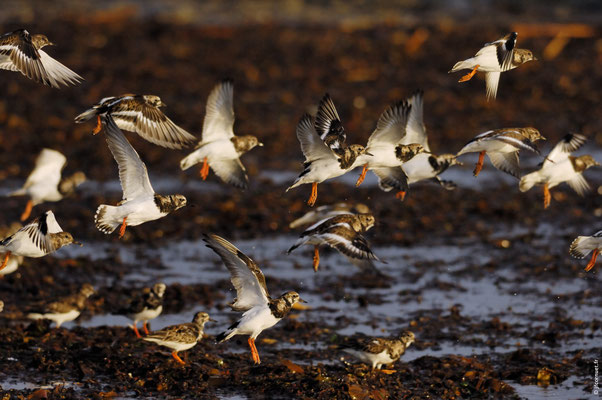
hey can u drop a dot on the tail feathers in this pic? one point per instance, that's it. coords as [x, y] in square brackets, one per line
[293, 247]
[228, 333]
[19, 192]
[102, 220]
[294, 185]
[86, 115]
[528, 181]
[465, 64]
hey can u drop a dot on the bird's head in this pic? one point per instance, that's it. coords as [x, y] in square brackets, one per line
[40, 41]
[153, 100]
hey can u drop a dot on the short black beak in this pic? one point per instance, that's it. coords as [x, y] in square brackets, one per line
[301, 300]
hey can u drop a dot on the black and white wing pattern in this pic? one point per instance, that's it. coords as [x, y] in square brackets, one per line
[231, 172]
[247, 278]
[507, 162]
[57, 72]
[18, 53]
[328, 125]
[391, 126]
[415, 129]
[35, 234]
[504, 50]
[132, 171]
[348, 242]
[312, 146]
[219, 113]
[583, 245]
[568, 144]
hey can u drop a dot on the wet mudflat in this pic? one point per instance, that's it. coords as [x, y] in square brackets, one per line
[481, 274]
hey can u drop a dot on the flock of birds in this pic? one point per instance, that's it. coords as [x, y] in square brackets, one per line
[397, 152]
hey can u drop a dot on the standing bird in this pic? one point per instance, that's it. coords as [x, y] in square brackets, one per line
[140, 114]
[385, 146]
[21, 51]
[140, 203]
[559, 166]
[327, 211]
[145, 306]
[65, 309]
[36, 239]
[260, 311]
[321, 163]
[44, 183]
[502, 146]
[378, 351]
[493, 59]
[181, 337]
[583, 245]
[343, 233]
[219, 148]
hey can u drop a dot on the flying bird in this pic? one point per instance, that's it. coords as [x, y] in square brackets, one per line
[140, 114]
[219, 148]
[583, 245]
[559, 166]
[502, 146]
[44, 183]
[21, 51]
[260, 311]
[493, 59]
[140, 203]
[40, 237]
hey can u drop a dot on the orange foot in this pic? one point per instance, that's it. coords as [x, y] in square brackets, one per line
[27, 211]
[6, 257]
[316, 258]
[138, 335]
[547, 197]
[254, 352]
[205, 169]
[146, 332]
[177, 358]
[98, 126]
[401, 195]
[388, 371]
[479, 165]
[362, 176]
[122, 228]
[314, 195]
[469, 75]
[591, 263]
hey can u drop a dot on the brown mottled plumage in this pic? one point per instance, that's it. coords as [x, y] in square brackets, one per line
[378, 351]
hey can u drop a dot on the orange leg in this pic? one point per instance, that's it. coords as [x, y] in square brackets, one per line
[469, 75]
[138, 335]
[592, 262]
[122, 228]
[6, 257]
[254, 352]
[177, 358]
[362, 176]
[547, 197]
[205, 169]
[146, 332]
[479, 165]
[401, 195]
[98, 126]
[314, 195]
[316, 258]
[27, 211]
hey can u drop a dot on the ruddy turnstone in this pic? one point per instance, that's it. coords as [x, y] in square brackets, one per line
[145, 306]
[424, 165]
[384, 145]
[36, 239]
[325, 212]
[45, 183]
[65, 309]
[260, 311]
[181, 337]
[321, 163]
[13, 261]
[140, 203]
[493, 59]
[502, 146]
[20, 51]
[328, 125]
[583, 245]
[559, 166]
[343, 233]
[219, 148]
[378, 351]
[140, 114]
